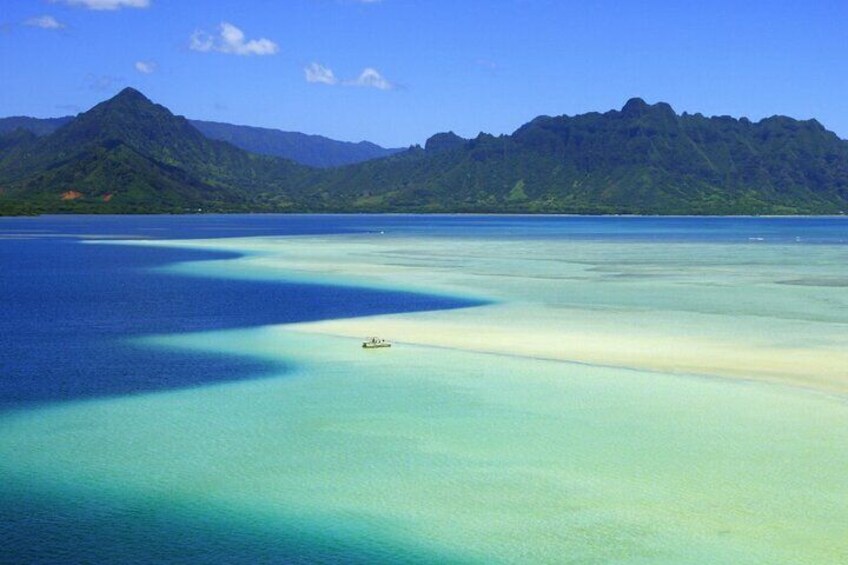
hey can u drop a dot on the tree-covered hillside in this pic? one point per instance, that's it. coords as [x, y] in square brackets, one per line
[310, 150]
[130, 155]
[643, 159]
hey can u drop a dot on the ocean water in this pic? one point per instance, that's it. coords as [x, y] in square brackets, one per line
[138, 426]
[70, 309]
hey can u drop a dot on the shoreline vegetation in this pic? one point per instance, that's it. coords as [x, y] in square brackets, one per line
[24, 211]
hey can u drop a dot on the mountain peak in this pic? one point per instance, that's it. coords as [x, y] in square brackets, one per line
[128, 98]
[131, 94]
[129, 108]
[634, 107]
[444, 141]
[129, 118]
[637, 108]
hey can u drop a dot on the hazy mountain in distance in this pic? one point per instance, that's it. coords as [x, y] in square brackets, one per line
[312, 150]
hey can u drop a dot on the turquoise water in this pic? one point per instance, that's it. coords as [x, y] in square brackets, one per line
[448, 455]
[428, 453]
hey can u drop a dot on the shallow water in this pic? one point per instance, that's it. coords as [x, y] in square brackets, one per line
[443, 453]
[446, 452]
[702, 307]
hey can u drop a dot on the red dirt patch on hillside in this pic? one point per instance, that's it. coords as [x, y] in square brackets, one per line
[71, 195]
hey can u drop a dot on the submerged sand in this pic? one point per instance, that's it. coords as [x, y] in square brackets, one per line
[720, 310]
[558, 422]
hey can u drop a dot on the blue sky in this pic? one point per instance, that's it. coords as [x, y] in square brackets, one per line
[396, 71]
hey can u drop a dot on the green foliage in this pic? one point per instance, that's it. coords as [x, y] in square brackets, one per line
[130, 155]
[38, 126]
[517, 193]
[644, 159]
[310, 150]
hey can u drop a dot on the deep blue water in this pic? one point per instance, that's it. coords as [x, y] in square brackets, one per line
[723, 229]
[70, 307]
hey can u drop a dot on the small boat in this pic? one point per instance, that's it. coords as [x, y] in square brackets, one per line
[375, 342]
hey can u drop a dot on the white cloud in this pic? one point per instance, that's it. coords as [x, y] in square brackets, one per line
[230, 39]
[106, 4]
[371, 78]
[145, 67]
[233, 42]
[319, 73]
[201, 41]
[44, 22]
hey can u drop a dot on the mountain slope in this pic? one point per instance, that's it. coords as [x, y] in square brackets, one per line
[128, 154]
[642, 159]
[38, 126]
[312, 150]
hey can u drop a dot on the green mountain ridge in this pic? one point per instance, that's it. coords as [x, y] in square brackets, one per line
[38, 126]
[130, 155]
[643, 159]
[311, 150]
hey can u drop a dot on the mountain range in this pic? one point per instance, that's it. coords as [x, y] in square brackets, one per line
[311, 150]
[128, 154]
